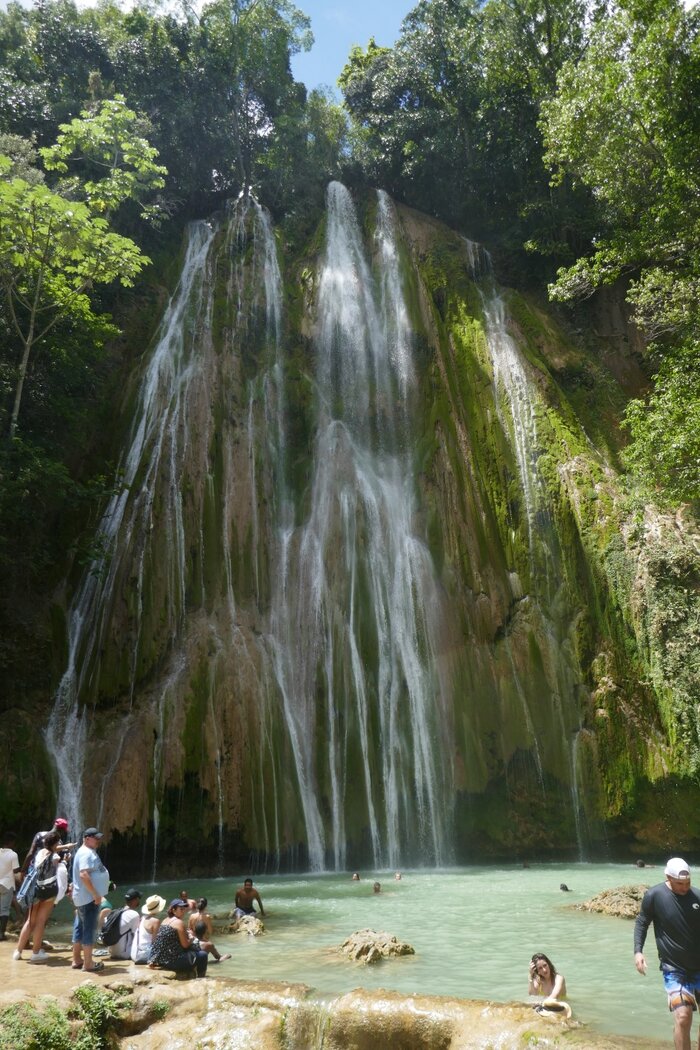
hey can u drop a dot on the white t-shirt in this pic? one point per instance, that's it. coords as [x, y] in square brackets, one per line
[9, 864]
[128, 923]
[62, 879]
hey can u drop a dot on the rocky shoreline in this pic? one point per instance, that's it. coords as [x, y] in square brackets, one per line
[155, 1011]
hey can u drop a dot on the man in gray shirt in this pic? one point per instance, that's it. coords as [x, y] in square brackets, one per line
[90, 883]
[674, 909]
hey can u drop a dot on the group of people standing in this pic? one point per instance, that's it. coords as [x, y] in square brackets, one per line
[137, 931]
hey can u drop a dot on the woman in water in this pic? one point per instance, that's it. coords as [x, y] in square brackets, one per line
[544, 979]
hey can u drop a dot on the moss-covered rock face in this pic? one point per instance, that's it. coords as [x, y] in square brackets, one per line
[373, 589]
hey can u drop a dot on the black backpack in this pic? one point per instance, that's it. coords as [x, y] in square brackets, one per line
[46, 885]
[110, 931]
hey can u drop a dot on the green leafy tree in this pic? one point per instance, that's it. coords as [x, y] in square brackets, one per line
[625, 123]
[248, 47]
[54, 249]
[414, 106]
[46, 56]
[665, 429]
[448, 119]
[307, 152]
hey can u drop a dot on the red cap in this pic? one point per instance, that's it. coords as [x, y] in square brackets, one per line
[60, 822]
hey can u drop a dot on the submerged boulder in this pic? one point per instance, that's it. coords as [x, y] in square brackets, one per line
[368, 946]
[623, 901]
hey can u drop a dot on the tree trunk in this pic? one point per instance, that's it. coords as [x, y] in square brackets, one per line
[20, 385]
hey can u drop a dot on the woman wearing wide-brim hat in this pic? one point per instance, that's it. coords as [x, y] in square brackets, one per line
[147, 929]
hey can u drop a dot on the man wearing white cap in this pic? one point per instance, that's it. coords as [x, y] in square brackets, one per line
[674, 909]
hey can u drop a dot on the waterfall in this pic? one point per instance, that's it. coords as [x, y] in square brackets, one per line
[356, 602]
[159, 430]
[265, 627]
[517, 404]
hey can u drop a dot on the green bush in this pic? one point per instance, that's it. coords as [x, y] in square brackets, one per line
[26, 1027]
[46, 1026]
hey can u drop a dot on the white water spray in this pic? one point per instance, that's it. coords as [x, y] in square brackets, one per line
[355, 578]
[159, 430]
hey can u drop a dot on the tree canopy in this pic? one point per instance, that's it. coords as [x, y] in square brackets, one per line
[54, 247]
[625, 123]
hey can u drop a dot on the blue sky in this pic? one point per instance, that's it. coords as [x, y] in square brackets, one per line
[337, 25]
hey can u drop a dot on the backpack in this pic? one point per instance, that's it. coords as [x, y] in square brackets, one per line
[110, 931]
[25, 894]
[46, 885]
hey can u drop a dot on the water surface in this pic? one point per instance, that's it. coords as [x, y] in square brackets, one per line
[474, 930]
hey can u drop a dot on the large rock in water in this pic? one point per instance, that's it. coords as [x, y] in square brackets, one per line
[369, 946]
[624, 901]
[249, 924]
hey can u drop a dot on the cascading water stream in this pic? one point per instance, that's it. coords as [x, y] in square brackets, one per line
[517, 403]
[355, 580]
[126, 523]
[162, 523]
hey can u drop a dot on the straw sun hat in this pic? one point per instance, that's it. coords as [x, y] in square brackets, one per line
[153, 905]
[554, 1008]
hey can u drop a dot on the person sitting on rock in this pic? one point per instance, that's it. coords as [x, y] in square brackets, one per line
[201, 915]
[147, 929]
[544, 979]
[105, 907]
[172, 947]
[245, 897]
[202, 942]
[129, 921]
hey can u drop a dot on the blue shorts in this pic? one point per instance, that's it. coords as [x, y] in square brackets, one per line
[682, 986]
[85, 924]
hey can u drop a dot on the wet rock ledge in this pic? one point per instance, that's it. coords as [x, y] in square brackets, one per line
[153, 1011]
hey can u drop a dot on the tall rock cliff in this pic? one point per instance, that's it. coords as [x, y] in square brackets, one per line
[371, 590]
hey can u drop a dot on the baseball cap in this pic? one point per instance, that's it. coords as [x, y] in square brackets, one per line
[92, 833]
[177, 903]
[677, 868]
[60, 822]
[131, 895]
